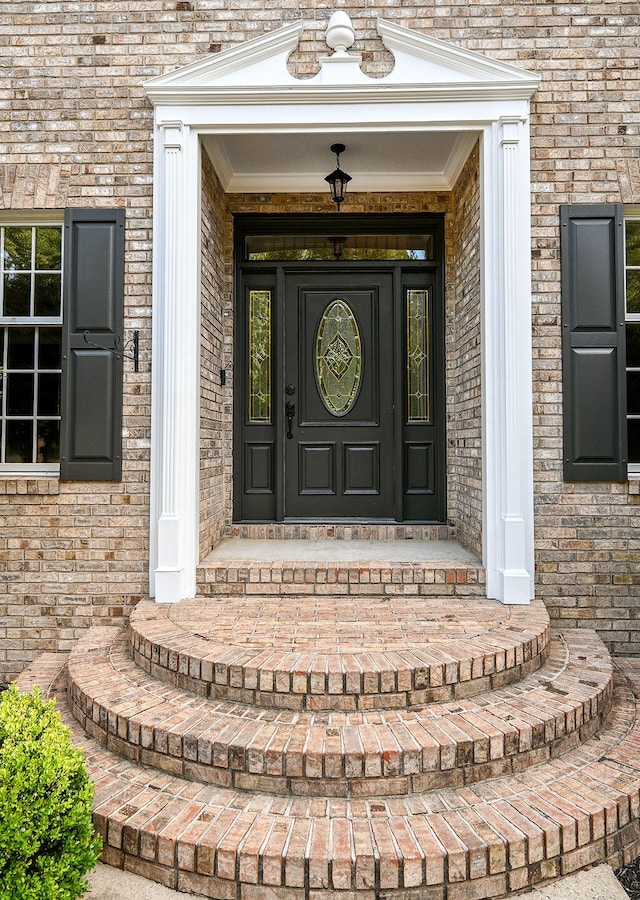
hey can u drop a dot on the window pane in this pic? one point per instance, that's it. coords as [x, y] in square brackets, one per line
[19, 394]
[49, 348]
[338, 358]
[19, 446]
[633, 344]
[633, 393]
[633, 291]
[30, 354]
[633, 426]
[353, 246]
[47, 295]
[17, 248]
[632, 236]
[418, 356]
[48, 442]
[48, 394]
[17, 295]
[260, 357]
[20, 350]
[48, 248]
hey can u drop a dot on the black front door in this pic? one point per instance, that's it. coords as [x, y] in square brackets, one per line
[339, 403]
[339, 408]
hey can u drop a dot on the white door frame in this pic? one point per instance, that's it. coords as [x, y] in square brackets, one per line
[433, 87]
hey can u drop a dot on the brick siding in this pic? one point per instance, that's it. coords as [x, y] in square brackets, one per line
[76, 130]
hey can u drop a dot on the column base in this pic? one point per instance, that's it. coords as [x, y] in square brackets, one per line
[514, 586]
[169, 585]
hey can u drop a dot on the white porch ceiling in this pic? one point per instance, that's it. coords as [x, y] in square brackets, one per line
[378, 161]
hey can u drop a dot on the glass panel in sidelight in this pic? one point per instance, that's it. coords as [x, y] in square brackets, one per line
[418, 406]
[259, 357]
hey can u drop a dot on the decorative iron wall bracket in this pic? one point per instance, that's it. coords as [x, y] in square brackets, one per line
[121, 348]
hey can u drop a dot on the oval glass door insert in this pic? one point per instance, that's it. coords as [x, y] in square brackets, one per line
[338, 358]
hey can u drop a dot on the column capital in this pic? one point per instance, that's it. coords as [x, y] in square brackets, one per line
[511, 129]
[173, 134]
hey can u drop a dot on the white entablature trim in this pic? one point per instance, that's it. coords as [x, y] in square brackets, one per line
[425, 69]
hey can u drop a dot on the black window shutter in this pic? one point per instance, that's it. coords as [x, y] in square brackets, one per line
[593, 346]
[91, 432]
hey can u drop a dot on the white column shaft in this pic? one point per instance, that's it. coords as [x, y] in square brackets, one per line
[507, 385]
[176, 342]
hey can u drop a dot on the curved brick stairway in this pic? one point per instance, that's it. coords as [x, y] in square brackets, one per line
[279, 748]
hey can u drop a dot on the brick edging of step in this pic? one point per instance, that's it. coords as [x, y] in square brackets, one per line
[333, 681]
[339, 755]
[284, 577]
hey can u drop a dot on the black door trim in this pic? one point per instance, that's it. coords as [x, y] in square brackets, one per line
[268, 506]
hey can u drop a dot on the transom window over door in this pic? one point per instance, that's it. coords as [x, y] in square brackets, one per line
[339, 387]
[30, 344]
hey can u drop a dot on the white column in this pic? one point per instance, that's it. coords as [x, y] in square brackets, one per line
[507, 378]
[176, 355]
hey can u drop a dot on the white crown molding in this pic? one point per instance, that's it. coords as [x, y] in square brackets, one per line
[465, 142]
[314, 183]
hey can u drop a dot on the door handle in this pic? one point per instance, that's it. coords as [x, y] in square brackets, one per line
[290, 411]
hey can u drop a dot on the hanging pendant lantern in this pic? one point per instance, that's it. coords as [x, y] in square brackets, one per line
[338, 180]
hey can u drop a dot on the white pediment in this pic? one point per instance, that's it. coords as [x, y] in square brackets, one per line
[424, 66]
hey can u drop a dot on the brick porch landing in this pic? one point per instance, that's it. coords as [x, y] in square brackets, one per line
[403, 746]
[337, 561]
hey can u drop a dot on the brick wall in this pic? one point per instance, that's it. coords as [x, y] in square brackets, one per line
[75, 130]
[585, 149]
[216, 355]
[464, 397]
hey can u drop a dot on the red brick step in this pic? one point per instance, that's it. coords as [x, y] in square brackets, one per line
[342, 653]
[480, 841]
[358, 754]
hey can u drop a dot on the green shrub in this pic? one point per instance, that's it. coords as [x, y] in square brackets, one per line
[47, 839]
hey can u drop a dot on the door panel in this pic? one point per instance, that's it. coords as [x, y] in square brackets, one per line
[316, 468]
[338, 339]
[419, 468]
[258, 475]
[361, 468]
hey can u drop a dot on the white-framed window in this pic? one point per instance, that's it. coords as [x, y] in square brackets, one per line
[632, 328]
[31, 255]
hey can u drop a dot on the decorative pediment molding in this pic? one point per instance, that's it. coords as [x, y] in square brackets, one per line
[425, 68]
[234, 67]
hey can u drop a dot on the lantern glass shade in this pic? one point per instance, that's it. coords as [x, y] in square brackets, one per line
[338, 181]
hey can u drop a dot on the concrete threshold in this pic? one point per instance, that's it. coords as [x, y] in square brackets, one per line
[409, 552]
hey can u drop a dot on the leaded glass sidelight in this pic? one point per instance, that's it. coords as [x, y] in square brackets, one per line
[418, 407]
[259, 357]
[338, 358]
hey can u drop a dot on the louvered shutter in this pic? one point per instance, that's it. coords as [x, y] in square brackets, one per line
[594, 389]
[91, 433]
